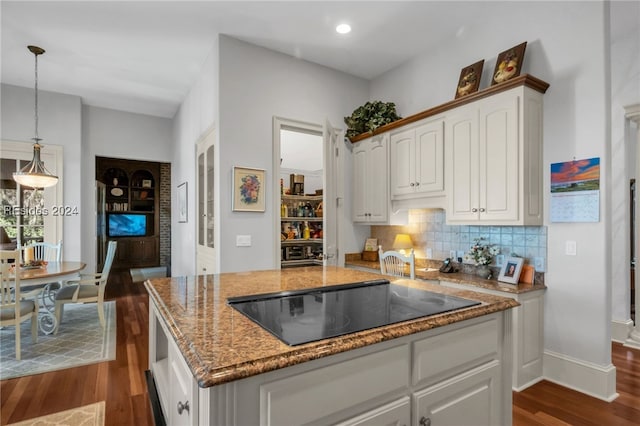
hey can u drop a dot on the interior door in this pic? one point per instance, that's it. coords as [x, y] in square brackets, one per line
[206, 253]
[333, 196]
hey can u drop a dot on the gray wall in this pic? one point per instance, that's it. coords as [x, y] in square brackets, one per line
[60, 119]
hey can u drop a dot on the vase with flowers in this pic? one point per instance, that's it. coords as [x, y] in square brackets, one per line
[481, 254]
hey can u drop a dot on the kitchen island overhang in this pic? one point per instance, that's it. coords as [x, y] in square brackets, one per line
[220, 345]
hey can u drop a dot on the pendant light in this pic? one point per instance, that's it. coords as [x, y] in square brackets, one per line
[35, 174]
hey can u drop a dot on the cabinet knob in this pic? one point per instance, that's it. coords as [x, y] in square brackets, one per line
[412, 184]
[474, 210]
[185, 407]
[482, 209]
[417, 183]
[425, 421]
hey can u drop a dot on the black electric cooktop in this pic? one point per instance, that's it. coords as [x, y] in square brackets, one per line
[304, 316]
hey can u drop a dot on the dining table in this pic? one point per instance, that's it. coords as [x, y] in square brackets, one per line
[51, 273]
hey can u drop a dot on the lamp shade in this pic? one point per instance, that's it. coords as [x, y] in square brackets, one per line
[35, 174]
[402, 242]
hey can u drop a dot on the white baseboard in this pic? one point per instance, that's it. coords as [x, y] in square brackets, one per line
[620, 330]
[591, 379]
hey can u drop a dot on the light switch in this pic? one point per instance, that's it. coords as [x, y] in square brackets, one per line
[452, 255]
[570, 248]
[538, 264]
[499, 259]
[243, 240]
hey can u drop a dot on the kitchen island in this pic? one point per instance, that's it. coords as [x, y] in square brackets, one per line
[212, 365]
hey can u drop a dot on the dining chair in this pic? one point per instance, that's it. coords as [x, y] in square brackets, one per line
[50, 253]
[394, 263]
[14, 310]
[45, 251]
[89, 289]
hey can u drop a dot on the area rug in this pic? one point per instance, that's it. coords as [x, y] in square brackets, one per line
[87, 415]
[80, 341]
[139, 275]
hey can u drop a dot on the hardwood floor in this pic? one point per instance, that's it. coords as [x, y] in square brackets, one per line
[546, 403]
[121, 383]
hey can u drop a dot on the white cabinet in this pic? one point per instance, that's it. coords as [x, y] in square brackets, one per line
[177, 388]
[493, 160]
[417, 160]
[370, 180]
[467, 399]
[528, 333]
[396, 413]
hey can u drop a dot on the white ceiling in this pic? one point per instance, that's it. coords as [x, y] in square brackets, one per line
[144, 56]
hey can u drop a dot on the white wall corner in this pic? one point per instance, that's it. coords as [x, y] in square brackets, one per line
[620, 330]
[592, 379]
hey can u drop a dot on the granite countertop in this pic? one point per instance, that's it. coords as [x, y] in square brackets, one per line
[455, 277]
[221, 345]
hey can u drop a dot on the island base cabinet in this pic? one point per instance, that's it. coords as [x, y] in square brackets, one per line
[396, 413]
[401, 381]
[176, 386]
[463, 400]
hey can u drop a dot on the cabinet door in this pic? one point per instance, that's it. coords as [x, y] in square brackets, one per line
[183, 403]
[499, 158]
[377, 179]
[472, 399]
[403, 159]
[360, 182]
[396, 413]
[461, 141]
[429, 158]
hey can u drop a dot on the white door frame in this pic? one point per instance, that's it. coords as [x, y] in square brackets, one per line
[329, 207]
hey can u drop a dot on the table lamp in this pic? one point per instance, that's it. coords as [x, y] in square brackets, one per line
[402, 242]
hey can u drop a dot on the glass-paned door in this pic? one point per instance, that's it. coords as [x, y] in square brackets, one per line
[206, 254]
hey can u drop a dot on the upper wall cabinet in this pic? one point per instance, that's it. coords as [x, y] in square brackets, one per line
[370, 180]
[417, 160]
[493, 160]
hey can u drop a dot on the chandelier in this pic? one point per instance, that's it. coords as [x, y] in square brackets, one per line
[35, 174]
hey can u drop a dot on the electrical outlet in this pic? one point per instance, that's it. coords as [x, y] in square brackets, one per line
[538, 264]
[452, 254]
[429, 253]
[460, 255]
[570, 248]
[499, 259]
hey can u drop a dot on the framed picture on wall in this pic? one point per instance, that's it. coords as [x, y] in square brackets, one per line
[182, 202]
[248, 189]
[511, 268]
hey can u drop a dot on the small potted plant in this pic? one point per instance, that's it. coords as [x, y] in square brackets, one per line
[370, 116]
[481, 254]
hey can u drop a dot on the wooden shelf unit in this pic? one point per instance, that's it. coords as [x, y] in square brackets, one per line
[133, 187]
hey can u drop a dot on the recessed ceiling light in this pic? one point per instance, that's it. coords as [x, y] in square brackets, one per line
[343, 29]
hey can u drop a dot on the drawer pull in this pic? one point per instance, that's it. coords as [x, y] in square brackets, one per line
[425, 421]
[183, 407]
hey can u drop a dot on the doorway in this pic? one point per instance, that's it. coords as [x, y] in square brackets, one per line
[632, 238]
[305, 170]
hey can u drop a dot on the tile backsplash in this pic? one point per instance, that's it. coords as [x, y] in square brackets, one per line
[429, 232]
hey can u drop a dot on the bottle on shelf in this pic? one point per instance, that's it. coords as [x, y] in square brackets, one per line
[306, 233]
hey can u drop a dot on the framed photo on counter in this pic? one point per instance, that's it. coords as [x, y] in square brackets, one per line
[511, 269]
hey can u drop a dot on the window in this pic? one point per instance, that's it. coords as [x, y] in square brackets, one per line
[26, 212]
[22, 214]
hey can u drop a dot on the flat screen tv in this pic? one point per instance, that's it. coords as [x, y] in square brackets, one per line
[127, 225]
